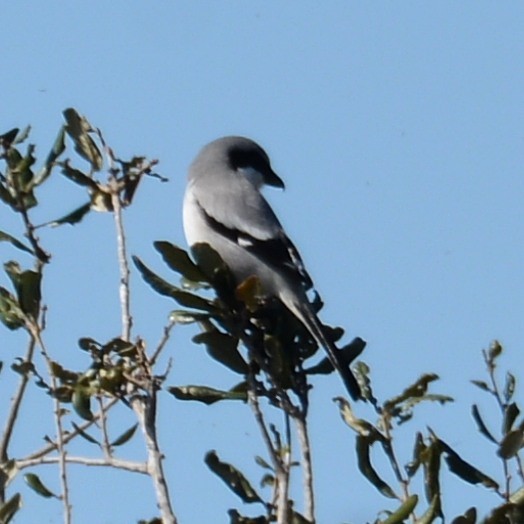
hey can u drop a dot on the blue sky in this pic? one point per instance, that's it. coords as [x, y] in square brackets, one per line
[398, 128]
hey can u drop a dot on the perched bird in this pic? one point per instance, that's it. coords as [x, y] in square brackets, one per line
[223, 207]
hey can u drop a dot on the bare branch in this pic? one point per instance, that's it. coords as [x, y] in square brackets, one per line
[106, 447]
[127, 320]
[281, 472]
[34, 329]
[145, 409]
[163, 342]
[15, 404]
[70, 435]
[307, 466]
[111, 462]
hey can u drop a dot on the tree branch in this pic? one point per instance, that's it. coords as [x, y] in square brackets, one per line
[34, 329]
[145, 409]
[111, 462]
[16, 403]
[127, 320]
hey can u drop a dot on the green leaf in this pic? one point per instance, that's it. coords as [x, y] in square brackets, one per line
[125, 436]
[465, 470]
[7, 139]
[262, 463]
[430, 458]
[5, 237]
[182, 316]
[11, 314]
[23, 367]
[511, 444]
[482, 385]
[85, 435]
[178, 260]
[34, 482]
[509, 387]
[511, 412]
[213, 267]
[18, 189]
[432, 513]
[205, 394]
[82, 402]
[184, 298]
[359, 425]
[20, 172]
[89, 344]
[22, 135]
[8, 510]
[78, 177]
[415, 390]
[418, 448]
[57, 149]
[30, 294]
[74, 217]
[347, 353]
[518, 497]
[6, 197]
[402, 512]
[224, 349]
[233, 478]
[469, 517]
[78, 128]
[61, 373]
[363, 446]
[119, 346]
[495, 350]
[401, 406]
[27, 287]
[237, 518]
[481, 425]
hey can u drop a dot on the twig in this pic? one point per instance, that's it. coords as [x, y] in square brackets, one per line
[111, 462]
[281, 472]
[35, 331]
[127, 321]
[163, 342]
[16, 403]
[390, 453]
[106, 447]
[70, 435]
[41, 255]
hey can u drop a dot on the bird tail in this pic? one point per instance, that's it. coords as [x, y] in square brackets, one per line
[304, 312]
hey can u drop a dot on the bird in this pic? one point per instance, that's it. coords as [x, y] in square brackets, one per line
[224, 208]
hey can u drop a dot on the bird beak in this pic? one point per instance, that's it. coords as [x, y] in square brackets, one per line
[272, 179]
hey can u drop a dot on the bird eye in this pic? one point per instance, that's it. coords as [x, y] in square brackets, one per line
[242, 159]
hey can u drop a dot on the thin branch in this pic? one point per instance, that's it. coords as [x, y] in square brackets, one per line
[145, 409]
[111, 462]
[35, 331]
[127, 320]
[163, 341]
[70, 435]
[16, 403]
[307, 466]
[41, 255]
[387, 446]
[106, 447]
[281, 472]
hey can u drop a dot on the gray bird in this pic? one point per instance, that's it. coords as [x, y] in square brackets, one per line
[223, 207]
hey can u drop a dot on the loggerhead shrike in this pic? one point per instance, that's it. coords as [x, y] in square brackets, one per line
[223, 207]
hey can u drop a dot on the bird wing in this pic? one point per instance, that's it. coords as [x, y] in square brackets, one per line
[239, 212]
